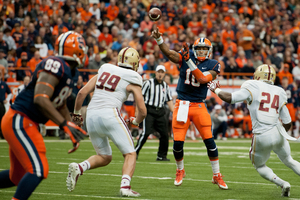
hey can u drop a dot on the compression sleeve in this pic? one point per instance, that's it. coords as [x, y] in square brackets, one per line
[241, 95]
[201, 77]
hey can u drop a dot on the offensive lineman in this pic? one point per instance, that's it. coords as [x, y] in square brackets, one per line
[266, 103]
[111, 88]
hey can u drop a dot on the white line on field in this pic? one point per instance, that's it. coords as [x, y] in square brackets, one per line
[75, 195]
[168, 178]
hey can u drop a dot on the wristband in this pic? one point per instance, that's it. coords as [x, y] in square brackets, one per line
[77, 112]
[217, 91]
[191, 64]
[135, 123]
[64, 123]
[159, 40]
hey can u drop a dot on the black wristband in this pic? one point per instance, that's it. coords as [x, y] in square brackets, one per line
[64, 123]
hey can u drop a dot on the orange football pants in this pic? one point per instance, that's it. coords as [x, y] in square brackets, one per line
[292, 111]
[199, 115]
[27, 151]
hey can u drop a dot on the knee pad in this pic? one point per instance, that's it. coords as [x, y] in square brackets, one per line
[211, 147]
[178, 149]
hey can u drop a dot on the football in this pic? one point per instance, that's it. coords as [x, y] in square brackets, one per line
[154, 14]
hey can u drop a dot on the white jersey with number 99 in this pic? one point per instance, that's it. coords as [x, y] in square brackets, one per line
[110, 90]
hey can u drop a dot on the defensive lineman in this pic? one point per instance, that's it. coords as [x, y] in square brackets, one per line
[266, 104]
[111, 88]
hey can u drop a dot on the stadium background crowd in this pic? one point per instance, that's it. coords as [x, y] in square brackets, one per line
[244, 35]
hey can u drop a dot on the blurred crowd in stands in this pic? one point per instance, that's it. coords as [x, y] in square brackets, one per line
[244, 35]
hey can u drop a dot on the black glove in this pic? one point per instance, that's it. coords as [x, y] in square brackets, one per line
[75, 132]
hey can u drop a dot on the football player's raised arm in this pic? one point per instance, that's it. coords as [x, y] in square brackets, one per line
[170, 54]
[87, 89]
[43, 92]
[139, 100]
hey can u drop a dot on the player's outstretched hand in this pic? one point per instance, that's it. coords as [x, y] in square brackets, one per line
[156, 34]
[77, 119]
[75, 132]
[213, 85]
[185, 51]
[132, 120]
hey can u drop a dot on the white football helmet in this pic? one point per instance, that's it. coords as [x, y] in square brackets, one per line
[265, 73]
[129, 57]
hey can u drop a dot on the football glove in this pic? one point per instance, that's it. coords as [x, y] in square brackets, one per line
[77, 119]
[132, 120]
[75, 132]
[185, 51]
[213, 85]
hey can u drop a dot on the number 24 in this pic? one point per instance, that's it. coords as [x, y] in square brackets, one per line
[275, 102]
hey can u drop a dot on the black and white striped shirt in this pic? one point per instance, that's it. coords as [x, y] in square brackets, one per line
[156, 94]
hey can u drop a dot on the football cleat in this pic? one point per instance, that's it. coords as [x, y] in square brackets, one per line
[217, 179]
[286, 187]
[128, 192]
[180, 174]
[74, 173]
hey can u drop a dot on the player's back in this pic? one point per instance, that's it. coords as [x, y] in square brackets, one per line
[24, 102]
[267, 100]
[110, 89]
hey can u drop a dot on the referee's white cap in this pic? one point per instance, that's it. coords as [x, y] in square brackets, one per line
[160, 67]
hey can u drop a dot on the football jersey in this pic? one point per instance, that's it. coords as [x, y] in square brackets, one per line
[52, 65]
[188, 88]
[265, 106]
[290, 93]
[110, 89]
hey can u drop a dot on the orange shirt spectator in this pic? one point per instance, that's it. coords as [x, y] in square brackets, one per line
[112, 11]
[23, 57]
[195, 27]
[105, 36]
[285, 73]
[172, 69]
[146, 24]
[36, 59]
[227, 33]
[241, 60]
[245, 38]
[56, 27]
[230, 44]
[86, 14]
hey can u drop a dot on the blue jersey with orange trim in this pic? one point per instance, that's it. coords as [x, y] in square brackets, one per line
[52, 65]
[290, 93]
[188, 88]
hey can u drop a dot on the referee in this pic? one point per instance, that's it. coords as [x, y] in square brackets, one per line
[156, 92]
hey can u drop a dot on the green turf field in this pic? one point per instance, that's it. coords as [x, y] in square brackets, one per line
[154, 180]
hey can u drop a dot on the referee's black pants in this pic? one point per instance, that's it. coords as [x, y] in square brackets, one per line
[2, 112]
[155, 121]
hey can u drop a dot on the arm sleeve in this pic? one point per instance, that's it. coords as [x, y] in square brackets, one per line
[285, 115]
[241, 95]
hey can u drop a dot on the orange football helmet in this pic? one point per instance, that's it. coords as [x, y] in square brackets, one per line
[71, 46]
[200, 53]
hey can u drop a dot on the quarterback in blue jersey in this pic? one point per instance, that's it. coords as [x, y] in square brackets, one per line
[43, 99]
[196, 70]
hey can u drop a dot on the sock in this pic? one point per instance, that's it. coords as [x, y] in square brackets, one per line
[27, 185]
[5, 181]
[215, 166]
[125, 182]
[180, 164]
[85, 165]
[278, 181]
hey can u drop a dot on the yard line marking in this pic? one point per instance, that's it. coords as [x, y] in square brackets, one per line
[168, 178]
[75, 195]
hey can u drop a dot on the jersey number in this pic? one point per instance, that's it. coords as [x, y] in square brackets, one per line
[190, 79]
[52, 65]
[275, 102]
[108, 82]
[63, 95]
